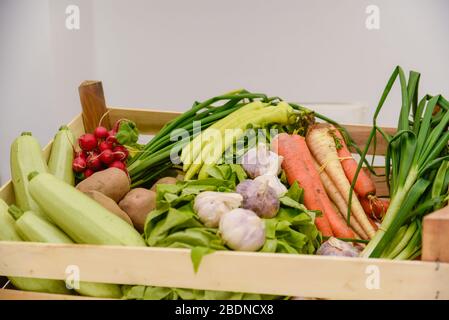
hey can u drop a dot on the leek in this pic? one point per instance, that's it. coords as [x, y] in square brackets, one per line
[417, 149]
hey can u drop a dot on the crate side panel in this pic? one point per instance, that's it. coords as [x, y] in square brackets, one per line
[361, 133]
[148, 121]
[296, 275]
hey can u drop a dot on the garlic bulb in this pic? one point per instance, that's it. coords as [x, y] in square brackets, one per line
[242, 230]
[336, 247]
[259, 197]
[210, 206]
[274, 182]
[260, 160]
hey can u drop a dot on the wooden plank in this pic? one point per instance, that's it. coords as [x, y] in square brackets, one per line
[7, 190]
[148, 121]
[360, 134]
[93, 104]
[296, 275]
[11, 294]
[380, 181]
[435, 239]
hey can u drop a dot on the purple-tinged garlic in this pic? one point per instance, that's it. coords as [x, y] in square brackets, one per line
[259, 197]
[336, 247]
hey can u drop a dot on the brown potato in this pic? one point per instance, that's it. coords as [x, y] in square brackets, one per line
[138, 203]
[165, 180]
[112, 182]
[109, 204]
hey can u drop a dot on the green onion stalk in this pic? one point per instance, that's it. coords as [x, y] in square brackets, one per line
[414, 155]
[145, 166]
[154, 158]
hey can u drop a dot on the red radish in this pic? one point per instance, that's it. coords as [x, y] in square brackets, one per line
[88, 173]
[101, 133]
[116, 126]
[120, 153]
[118, 164]
[104, 145]
[87, 142]
[107, 156]
[111, 138]
[79, 164]
[94, 162]
[81, 154]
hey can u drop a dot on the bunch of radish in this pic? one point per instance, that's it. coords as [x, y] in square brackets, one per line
[99, 150]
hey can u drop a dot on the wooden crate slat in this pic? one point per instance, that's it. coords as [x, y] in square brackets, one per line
[148, 122]
[435, 239]
[93, 104]
[380, 181]
[297, 275]
[360, 134]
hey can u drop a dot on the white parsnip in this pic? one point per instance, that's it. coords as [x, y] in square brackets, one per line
[322, 146]
[339, 201]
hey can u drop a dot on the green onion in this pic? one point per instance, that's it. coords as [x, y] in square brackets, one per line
[156, 153]
[418, 148]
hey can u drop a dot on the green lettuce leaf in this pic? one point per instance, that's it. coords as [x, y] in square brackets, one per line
[197, 254]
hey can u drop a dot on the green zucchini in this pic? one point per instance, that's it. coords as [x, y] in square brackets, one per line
[26, 157]
[8, 232]
[79, 216]
[33, 227]
[61, 156]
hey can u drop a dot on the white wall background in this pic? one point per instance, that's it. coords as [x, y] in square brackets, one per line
[166, 54]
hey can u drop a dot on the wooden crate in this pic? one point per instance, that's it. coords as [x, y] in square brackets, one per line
[282, 274]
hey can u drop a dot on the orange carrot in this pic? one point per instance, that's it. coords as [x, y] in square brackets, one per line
[374, 207]
[298, 166]
[364, 185]
[337, 199]
[322, 145]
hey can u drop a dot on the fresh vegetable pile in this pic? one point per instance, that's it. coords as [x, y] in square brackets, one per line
[240, 171]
